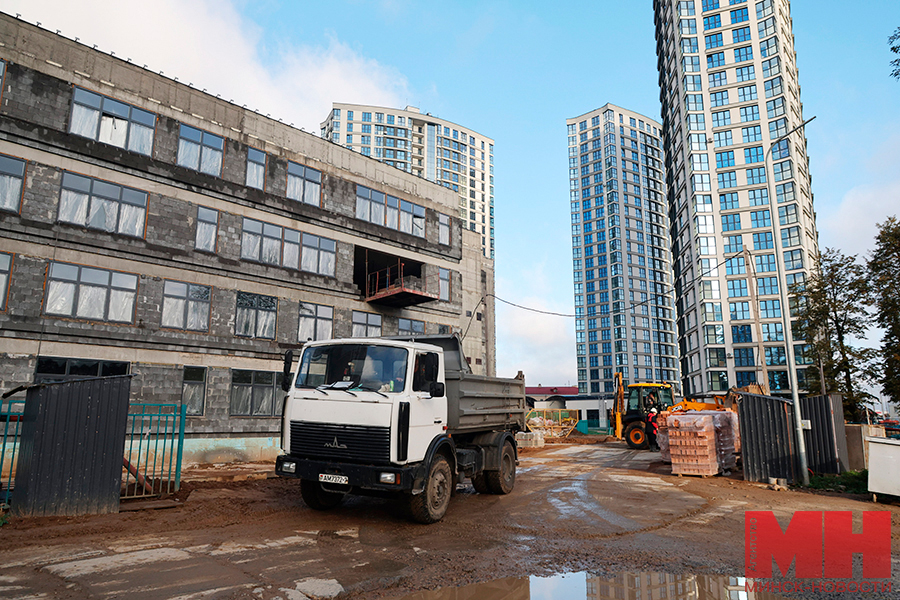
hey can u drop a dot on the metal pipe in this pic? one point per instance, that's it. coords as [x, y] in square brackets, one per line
[785, 310]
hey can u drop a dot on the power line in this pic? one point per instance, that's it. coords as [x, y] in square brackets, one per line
[566, 315]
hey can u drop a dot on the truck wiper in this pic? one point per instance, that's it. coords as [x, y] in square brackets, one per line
[369, 388]
[337, 385]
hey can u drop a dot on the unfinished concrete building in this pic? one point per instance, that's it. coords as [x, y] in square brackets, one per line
[150, 228]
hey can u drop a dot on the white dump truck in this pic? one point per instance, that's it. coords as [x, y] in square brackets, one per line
[397, 417]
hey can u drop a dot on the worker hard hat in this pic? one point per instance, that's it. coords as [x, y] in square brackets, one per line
[652, 410]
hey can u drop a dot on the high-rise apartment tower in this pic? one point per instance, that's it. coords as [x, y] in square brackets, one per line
[453, 156]
[620, 250]
[743, 226]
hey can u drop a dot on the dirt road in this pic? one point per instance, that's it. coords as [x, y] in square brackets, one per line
[574, 508]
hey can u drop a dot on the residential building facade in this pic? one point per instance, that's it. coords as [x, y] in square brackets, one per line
[624, 315]
[453, 156]
[740, 204]
[151, 229]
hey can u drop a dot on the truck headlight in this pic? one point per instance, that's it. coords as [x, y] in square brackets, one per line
[289, 467]
[387, 478]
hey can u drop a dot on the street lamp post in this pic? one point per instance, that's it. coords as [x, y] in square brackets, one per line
[785, 310]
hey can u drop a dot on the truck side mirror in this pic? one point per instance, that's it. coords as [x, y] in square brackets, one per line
[437, 389]
[288, 363]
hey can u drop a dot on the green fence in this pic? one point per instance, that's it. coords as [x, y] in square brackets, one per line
[154, 441]
[11, 428]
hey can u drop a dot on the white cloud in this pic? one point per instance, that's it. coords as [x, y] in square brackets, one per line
[853, 225]
[541, 346]
[208, 43]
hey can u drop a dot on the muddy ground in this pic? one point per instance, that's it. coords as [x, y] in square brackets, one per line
[595, 508]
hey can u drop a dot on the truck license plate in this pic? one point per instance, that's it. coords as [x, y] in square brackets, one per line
[329, 478]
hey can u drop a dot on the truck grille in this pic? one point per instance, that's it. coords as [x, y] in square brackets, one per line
[350, 443]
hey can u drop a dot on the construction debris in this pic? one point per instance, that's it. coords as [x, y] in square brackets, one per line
[530, 439]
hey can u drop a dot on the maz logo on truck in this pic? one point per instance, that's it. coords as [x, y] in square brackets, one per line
[336, 444]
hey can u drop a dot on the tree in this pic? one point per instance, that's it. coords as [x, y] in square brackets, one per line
[884, 280]
[894, 42]
[832, 310]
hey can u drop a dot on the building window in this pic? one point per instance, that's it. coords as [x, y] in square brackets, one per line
[731, 222]
[737, 288]
[255, 316]
[304, 184]
[727, 180]
[772, 332]
[717, 381]
[200, 151]
[444, 277]
[443, 229]
[378, 208]
[12, 174]
[775, 356]
[735, 266]
[714, 334]
[714, 41]
[88, 293]
[740, 15]
[733, 243]
[51, 368]
[274, 245]
[770, 309]
[185, 306]
[741, 334]
[716, 99]
[721, 118]
[207, 228]
[365, 324]
[727, 202]
[774, 87]
[316, 322]
[747, 73]
[793, 259]
[714, 60]
[102, 205]
[743, 357]
[112, 122]
[722, 139]
[763, 241]
[788, 214]
[756, 176]
[783, 170]
[765, 263]
[712, 22]
[718, 79]
[790, 237]
[256, 169]
[740, 35]
[740, 311]
[768, 286]
[715, 357]
[253, 393]
[412, 327]
[760, 218]
[724, 159]
[193, 390]
[5, 268]
[318, 255]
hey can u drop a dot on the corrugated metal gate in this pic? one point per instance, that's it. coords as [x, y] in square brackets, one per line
[70, 458]
[768, 442]
[826, 440]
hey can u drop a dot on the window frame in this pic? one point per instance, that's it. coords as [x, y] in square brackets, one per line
[192, 384]
[203, 214]
[209, 144]
[318, 315]
[55, 274]
[7, 163]
[276, 398]
[253, 156]
[301, 190]
[135, 116]
[189, 302]
[252, 301]
[82, 185]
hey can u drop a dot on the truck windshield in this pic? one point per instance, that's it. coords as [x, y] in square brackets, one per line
[354, 367]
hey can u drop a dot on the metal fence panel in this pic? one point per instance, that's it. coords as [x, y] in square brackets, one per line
[826, 440]
[153, 450]
[768, 447]
[10, 430]
[70, 458]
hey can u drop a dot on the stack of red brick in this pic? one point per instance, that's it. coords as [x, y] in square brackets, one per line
[701, 442]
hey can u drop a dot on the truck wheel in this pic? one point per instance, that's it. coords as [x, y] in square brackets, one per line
[431, 505]
[318, 498]
[479, 482]
[504, 480]
[635, 436]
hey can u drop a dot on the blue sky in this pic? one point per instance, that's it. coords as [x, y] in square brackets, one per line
[514, 71]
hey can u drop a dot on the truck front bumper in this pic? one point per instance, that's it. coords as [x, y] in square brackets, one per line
[360, 476]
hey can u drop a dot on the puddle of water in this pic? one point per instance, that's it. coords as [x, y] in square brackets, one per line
[621, 586]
